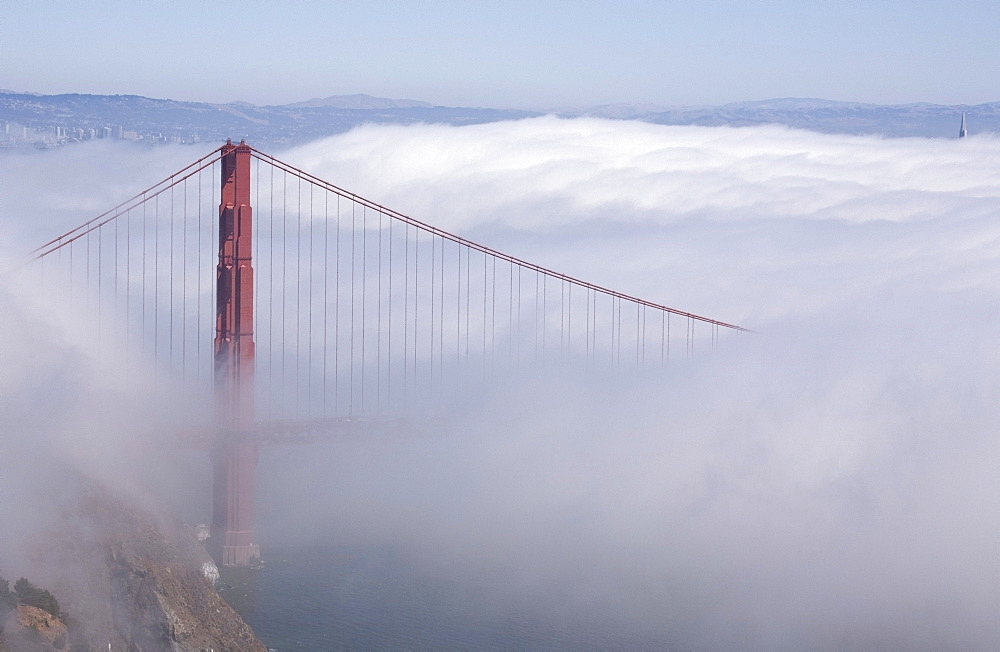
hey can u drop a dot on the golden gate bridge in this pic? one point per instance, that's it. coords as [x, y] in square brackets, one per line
[326, 311]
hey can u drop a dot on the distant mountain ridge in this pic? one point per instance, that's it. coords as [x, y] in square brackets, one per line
[826, 116]
[53, 119]
[44, 120]
[362, 102]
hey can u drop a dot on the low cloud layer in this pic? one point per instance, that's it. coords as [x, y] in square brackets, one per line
[826, 482]
[752, 223]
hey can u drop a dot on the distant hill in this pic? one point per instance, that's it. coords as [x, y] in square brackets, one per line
[358, 102]
[897, 120]
[47, 120]
[50, 119]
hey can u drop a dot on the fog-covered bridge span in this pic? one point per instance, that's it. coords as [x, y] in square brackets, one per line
[302, 307]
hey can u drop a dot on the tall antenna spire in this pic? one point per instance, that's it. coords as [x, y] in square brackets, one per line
[963, 132]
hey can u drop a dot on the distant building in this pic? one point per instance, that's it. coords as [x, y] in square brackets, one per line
[963, 132]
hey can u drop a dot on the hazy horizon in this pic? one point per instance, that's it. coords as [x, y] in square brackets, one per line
[551, 107]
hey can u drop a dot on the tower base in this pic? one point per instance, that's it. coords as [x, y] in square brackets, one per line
[242, 555]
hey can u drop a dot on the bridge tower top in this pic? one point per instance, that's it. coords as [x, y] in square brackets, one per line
[234, 344]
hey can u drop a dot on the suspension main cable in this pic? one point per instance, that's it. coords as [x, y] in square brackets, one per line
[130, 203]
[422, 226]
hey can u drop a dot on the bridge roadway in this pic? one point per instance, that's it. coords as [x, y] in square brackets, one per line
[307, 431]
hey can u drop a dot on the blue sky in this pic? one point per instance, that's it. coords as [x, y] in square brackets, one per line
[516, 53]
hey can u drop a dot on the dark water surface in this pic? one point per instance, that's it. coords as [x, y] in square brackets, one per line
[320, 588]
[343, 598]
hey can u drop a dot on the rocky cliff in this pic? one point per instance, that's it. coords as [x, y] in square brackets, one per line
[135, 579]
[30, 628]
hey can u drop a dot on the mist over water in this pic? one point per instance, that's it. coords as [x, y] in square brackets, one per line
[828, 481]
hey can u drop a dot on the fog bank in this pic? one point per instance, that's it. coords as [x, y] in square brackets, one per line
[828, 481]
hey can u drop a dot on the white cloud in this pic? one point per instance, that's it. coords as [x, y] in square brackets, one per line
[741, 224]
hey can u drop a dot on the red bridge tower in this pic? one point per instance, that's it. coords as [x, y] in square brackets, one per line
[234, 457]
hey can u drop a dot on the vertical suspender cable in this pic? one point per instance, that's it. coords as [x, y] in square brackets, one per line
[284, 273]
[668, 336]
[353, 268]
[614, 301]
[619, 343]
[430, 381]
[459, 272]
[416, 300]
[156, 285]
[545, 311]
[270, 294]
[309, 336]
[406, 308]
[562, 315]
[142, 303]
[441, 315]
[493, 315]
[298, 293]
[519, 338]
[468, 301]
[255, 256]
[388, 351]
[510, 315]
[569, 318]
[99, 297]
[663, 320]
[364, 296]
[378, 321]
[128, 283]
[537, 316]
[336, 320]
[485, 307]
[326, 287]
[184, 283]
[170, 337]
